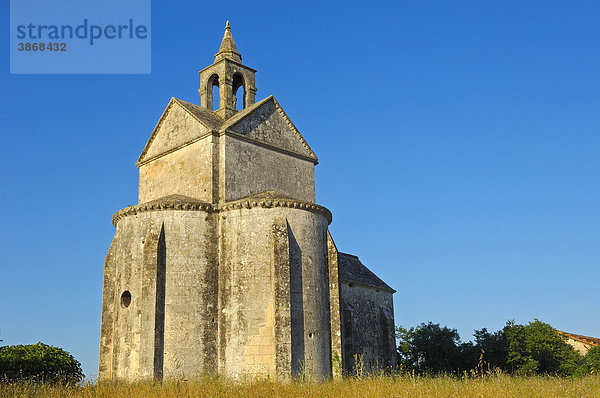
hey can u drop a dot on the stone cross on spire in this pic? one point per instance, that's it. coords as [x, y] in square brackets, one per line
[228, 49]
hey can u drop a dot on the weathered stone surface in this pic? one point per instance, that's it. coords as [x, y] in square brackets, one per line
[226, 264]
[249, 304]
[334, 306]
[269, 124]
[177, 127]
[229, 74]
[281, 288]
[187, 172]
[251, 169]
[368, 328]
[159, 326]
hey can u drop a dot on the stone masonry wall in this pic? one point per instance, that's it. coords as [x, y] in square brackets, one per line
[167, 261]
[187, 171]
[251, 169]
[191, 293]
[335, 310]
[579, 346]
[249, 340]
[367, 327]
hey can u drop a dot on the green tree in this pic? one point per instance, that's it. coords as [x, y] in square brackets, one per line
[535, 348]
[493, 347]
[430, 349]
[592, 360]
[39, 362]
[538, 348]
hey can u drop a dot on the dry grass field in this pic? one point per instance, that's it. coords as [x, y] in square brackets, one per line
[382, 386]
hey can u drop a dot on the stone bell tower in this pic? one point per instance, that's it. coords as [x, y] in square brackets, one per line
[229, 75]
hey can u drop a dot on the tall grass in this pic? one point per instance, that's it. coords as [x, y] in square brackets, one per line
[369, 386]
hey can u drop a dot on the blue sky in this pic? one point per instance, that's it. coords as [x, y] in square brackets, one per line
[458, 145]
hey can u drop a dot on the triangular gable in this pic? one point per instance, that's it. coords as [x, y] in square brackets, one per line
[266, 122]
[181, 123]
[353, 270]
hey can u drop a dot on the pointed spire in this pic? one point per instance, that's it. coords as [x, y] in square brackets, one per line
[228, 49]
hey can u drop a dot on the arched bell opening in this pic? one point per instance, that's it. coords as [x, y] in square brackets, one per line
[239, 96]
[213, 94]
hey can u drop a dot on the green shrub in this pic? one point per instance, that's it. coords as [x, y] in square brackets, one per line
[38, 362]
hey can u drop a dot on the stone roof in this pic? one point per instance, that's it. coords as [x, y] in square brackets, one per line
[211, 120]
[584, 339]
[266, 199]
[215, 123]
[176, 200]
[203, 115]
[352, 270]
[244, 112]
[266, 195]
[270, 199]
[228, 48]
[171, 202]
[239, 116]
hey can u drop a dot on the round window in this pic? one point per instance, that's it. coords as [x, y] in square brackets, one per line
[125, 299]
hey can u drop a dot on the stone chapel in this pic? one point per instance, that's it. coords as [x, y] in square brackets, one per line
[226, 264]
